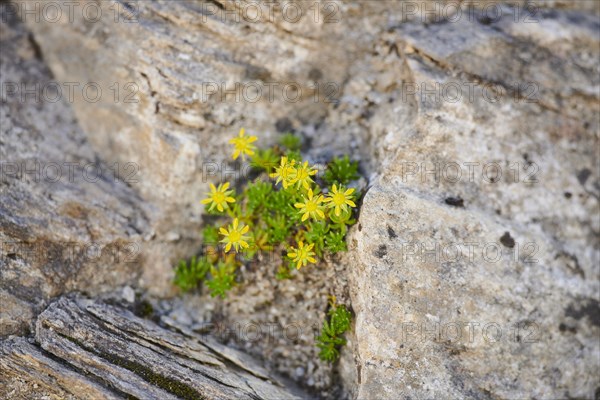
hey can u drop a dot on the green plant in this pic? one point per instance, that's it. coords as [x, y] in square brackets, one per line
[287, 209]
[290, 141]
[210, 234]
[265, 160]
[330, 340]
[335, 241]
[189, 275]
[222, 278]
[341, 171]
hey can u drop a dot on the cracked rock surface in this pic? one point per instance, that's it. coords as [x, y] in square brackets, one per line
[473, 269]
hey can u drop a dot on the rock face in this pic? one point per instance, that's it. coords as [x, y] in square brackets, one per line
[66, 222]
[189, 78]
[476, 254]
[106, 352]
[473, 269]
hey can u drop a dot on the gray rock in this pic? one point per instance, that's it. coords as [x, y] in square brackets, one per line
[481, 285]
[528, 108]
[102, 351]
[63, 225]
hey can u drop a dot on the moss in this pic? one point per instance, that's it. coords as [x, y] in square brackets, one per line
[177, 388]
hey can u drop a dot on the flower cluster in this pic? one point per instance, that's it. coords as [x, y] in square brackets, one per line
[288, 208]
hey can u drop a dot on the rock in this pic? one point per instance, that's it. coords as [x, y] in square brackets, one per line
[101, 351]
[528, 86]
[173, 65]
[64, 225]
[485, 284]
[28, 373]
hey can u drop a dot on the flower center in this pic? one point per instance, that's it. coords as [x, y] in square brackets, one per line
[339, 199]
[302, 174]
[241, 144]
[219, 197]
[311, 206]
[287, 171]
[302, 254]
[234, 236]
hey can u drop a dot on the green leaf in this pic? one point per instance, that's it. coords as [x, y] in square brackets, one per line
[335, 241]
[330, 340]
[316, 233]
[290, 141]
[210, 234]
[341, 171]
[265, 160]
[189, 275]
[222, 279]
[258, 194]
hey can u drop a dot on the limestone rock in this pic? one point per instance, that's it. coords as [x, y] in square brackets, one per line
[66, 222]
[475, 268]
[478, 135]
[103, 351]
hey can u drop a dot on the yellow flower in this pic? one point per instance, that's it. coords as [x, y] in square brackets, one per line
[339, 199]
[219, 197]
[302, 255]
[311, 207]
[243, 145]
[285, 172]
[302, 175]
[234, 236]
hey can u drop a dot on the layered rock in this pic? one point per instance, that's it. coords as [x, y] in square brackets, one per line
[93, 350]
[473, 269]
[67, 222]
[476, 254]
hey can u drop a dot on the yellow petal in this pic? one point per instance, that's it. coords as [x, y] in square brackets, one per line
[304, 218]
[291, 255]
[244, 244]
[212, 187]
[349, 191]
[235, 223]
[230, 199]
[350, 203]
[312, 260]
[228, 247]
[334, 188]
[223, 231]
[299, 205]
[299, 265]
[224, 186]
[245, 229]
[320, 213]
[236, 154]
[206, 201]
[337, 211]
[220, 207]
[252, 139]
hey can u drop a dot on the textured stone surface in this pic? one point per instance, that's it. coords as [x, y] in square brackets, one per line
[541, 133]
[62, 227]
[103, 351]
[472, 286]
[175, 54]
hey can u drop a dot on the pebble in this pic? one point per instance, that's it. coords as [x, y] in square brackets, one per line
[128, 294]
